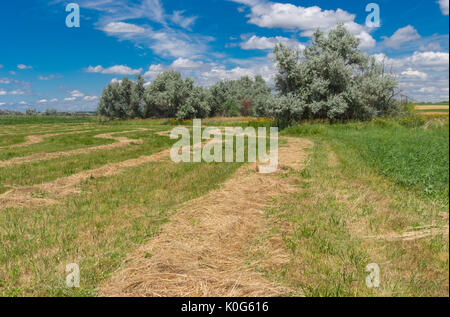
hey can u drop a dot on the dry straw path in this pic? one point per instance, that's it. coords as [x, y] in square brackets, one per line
[201, 251]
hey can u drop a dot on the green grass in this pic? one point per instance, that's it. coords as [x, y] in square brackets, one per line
[346, 196]
[97, 228]
[7, 140]
[45, 171]
[432, 110]
[57, 144]
[443, 103]
[416, 158]
[362, 180]
[67, 142]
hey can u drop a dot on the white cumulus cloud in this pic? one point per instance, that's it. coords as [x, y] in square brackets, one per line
[430, 59]
[122, 27]
[414, 73]
[181, 62]
[153, 71]
[114, 70]
[444, 6]
[22, 66]
[401, 36]
[76, 93]
[11, 92]
[268, 43]
[306, 19]
[90, 98]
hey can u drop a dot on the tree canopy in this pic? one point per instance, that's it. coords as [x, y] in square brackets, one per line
[171, 96]
[333, 79]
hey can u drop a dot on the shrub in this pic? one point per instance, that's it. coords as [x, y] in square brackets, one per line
[242, 95]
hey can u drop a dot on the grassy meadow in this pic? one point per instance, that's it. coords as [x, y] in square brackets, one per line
[365, 186]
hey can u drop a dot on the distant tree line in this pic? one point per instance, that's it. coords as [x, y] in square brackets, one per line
[171, 96]
[47, 112]
[332, 79]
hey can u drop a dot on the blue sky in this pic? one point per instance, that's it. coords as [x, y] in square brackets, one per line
[44, 64]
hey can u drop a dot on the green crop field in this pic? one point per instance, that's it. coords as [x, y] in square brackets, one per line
[366, 193]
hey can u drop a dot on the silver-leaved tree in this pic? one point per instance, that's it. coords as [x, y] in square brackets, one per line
[332, 79]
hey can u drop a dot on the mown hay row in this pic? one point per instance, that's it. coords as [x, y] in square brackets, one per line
[120, 142]
[201, 251]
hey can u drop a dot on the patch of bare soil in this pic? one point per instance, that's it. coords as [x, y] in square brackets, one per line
[201, 251]
[120, 142]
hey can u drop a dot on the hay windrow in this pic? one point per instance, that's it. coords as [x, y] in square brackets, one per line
[201, 251]
[120, 142]
[62, 187]
[29, 195]
[413, 234]
[35, 139]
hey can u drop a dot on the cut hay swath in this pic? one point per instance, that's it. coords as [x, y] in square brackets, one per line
[204, 259]
[120, 142]
[62, 187]
[201, 251]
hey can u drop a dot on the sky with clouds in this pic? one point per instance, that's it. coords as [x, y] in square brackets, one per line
[44, 64]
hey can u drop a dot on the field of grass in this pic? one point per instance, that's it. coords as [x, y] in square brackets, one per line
[433, 110]
[414, 158]
[367, 186]
[366, 196]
